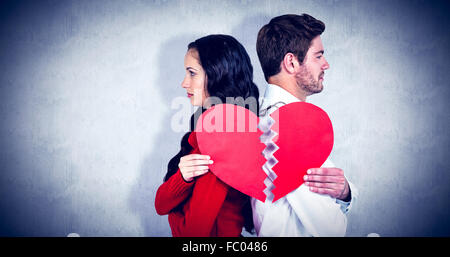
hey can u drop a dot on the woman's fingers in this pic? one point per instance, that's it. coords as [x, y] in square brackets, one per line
[195, 168]
[197, 173]
[194, 165]
[195, 160]
[195, 157]
[190, 172]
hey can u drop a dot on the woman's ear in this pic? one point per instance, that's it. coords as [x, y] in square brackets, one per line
[290, 63]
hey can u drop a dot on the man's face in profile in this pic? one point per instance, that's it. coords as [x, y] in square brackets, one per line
[312, 70]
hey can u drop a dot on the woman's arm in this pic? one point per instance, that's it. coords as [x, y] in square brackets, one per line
[202, 209]
[171, 193]
[178, 187]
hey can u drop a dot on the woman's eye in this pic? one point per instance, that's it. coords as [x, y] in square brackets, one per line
[320, 56]
[192, 73]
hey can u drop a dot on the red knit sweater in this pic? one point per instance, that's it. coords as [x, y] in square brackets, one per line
[206, 206]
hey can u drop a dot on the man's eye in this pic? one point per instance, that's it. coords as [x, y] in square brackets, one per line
[192, 73]
[318, 57]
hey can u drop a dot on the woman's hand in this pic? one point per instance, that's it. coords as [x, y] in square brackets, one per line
[194, 165]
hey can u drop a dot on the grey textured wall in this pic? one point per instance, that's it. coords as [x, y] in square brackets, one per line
[86, 90]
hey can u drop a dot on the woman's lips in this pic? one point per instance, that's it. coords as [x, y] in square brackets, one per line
[189, 95]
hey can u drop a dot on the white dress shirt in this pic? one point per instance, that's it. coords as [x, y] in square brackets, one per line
[301, 212]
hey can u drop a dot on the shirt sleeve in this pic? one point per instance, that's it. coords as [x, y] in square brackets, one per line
[201, 211]
[346, 206]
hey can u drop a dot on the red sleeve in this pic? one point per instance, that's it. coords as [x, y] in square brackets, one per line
[175, 190]
[201, 211]
[171, 193]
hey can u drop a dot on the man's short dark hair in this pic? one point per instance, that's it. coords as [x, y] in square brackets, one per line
[284, 34]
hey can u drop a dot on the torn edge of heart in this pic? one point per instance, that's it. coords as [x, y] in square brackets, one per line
[266, 138]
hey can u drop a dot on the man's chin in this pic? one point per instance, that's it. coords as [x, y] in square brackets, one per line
[316, 90]
[320, 89]
[312, 88]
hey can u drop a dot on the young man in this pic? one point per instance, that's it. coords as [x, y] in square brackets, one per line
[291, 54]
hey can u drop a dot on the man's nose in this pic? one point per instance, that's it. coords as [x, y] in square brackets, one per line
[326, 65]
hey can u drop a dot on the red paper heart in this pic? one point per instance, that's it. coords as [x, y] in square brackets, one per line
[234, 148]
[305, 140]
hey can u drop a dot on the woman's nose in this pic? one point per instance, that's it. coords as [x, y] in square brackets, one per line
[184, 83]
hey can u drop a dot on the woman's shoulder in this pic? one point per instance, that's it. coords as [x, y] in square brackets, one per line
[193, 140]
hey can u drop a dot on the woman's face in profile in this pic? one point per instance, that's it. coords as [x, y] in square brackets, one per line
[195, 79]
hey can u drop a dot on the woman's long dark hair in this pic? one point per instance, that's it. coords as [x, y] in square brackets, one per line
[229, 73]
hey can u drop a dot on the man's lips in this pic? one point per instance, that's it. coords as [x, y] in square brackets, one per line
[321, 76]
[189, 94]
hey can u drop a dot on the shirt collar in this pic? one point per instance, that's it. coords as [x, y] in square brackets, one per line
[275, 94]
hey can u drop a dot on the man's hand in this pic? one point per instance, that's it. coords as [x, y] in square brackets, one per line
[329, 181]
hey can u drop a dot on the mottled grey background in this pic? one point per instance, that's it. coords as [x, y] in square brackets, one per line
[86, 90]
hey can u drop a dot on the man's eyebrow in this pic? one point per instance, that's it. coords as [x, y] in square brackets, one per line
[190, 68]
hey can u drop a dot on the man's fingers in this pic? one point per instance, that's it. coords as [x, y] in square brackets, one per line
[326, 171]
[328, 181]
[324, 178]
[325, 191]
[334, 186]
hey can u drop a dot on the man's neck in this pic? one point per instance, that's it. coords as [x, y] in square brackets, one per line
[289, 86]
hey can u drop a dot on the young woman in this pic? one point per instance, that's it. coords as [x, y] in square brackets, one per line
[197, 202]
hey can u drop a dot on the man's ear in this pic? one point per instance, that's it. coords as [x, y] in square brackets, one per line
[290, 63]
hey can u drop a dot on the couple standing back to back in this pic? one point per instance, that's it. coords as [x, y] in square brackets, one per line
[199, 204]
